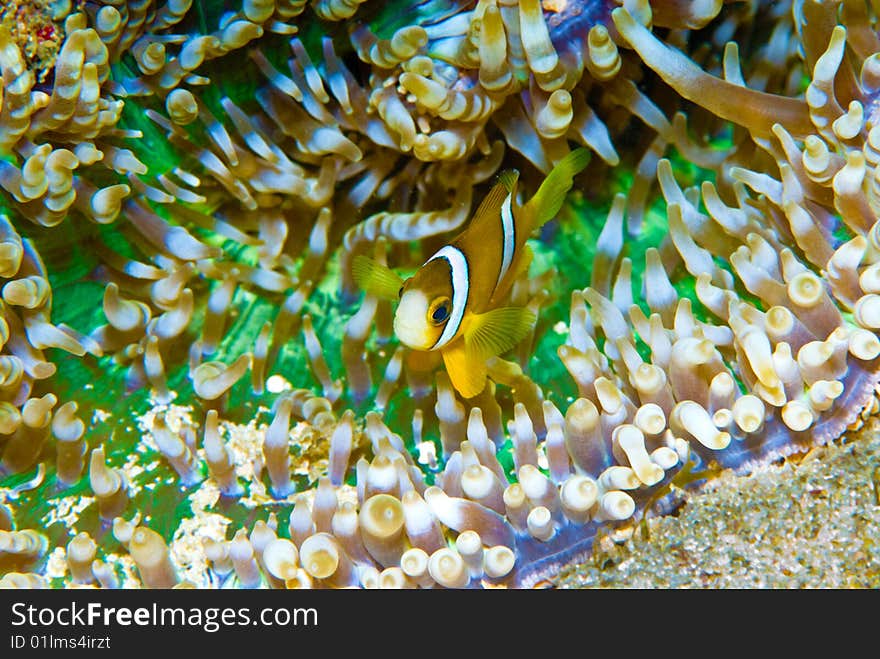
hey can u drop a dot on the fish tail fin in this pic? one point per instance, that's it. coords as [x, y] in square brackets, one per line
[374, 278]
[548, 199]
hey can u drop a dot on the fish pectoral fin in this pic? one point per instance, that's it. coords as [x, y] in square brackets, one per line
[497, 331]
[486, 335]
[375, 278]
[466, 370]
[548, 199]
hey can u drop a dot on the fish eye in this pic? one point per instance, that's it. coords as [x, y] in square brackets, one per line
[440, 310]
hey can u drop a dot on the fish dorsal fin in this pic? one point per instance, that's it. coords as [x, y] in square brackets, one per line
[467, 374]
[374, 278]
[525, 260]
[497, 331]
[519, 268]
[547, 201]
[491, 205]
[508, 179]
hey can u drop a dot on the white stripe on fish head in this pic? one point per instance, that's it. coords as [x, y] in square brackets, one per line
[460, 279]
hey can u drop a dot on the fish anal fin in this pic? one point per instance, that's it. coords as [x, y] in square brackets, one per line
[497, 331]
[466, 371]
[375, 278]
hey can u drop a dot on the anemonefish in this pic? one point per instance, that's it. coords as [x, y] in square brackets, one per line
[452, 302]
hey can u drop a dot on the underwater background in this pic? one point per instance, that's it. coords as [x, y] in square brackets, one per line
[194, 392]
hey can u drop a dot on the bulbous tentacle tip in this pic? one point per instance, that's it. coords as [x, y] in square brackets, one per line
[230, 219]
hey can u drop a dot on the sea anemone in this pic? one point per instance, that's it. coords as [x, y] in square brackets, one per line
[207, 399]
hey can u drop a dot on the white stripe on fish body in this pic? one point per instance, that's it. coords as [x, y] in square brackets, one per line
[458, 267]
[508, 231]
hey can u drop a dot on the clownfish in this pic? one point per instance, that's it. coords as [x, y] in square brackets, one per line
[451, 304]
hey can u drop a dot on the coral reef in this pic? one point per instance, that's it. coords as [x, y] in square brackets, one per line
[193, 391]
